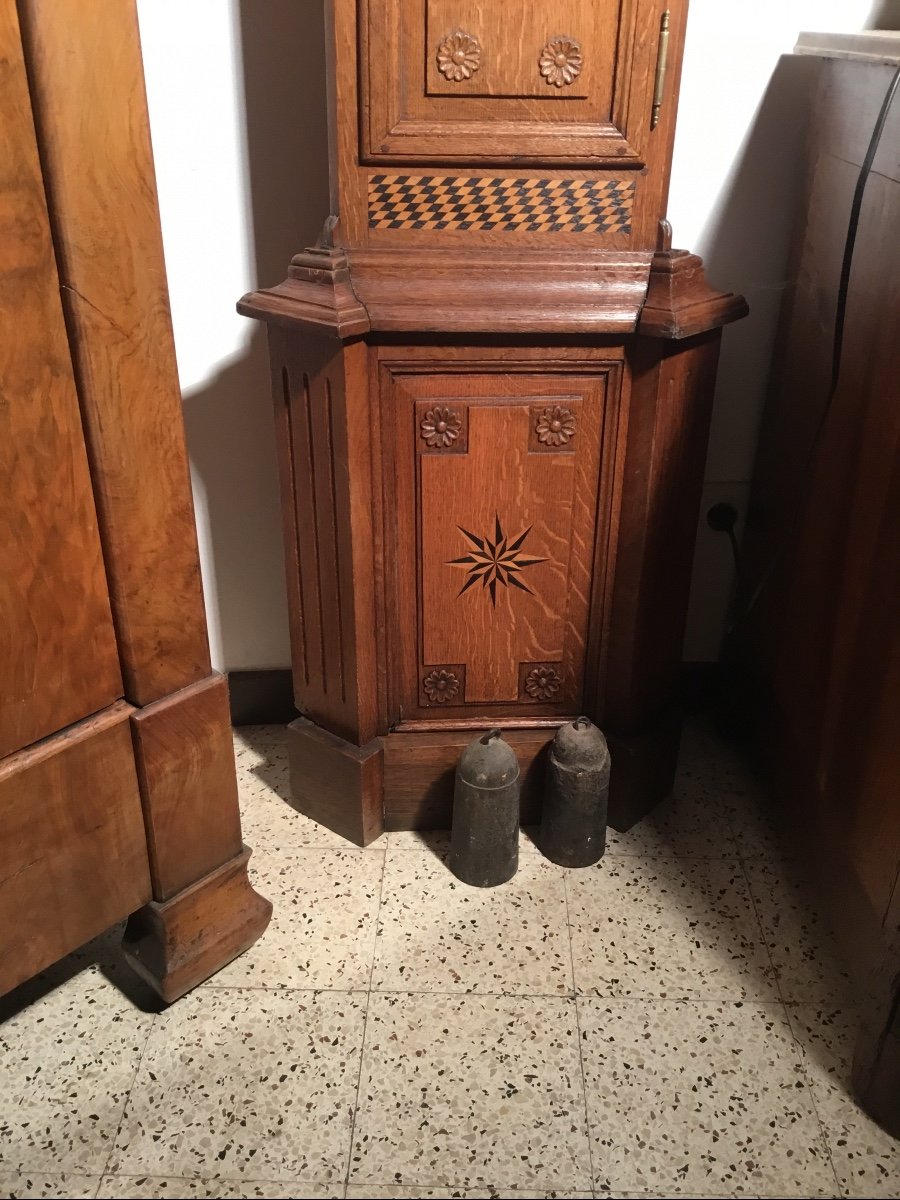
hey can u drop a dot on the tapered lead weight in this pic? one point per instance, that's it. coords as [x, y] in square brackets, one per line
[573, 822]
[484, 843]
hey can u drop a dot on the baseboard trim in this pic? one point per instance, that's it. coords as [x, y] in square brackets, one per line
[261, 697]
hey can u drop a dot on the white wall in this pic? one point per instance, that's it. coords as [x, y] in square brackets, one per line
[236, 95]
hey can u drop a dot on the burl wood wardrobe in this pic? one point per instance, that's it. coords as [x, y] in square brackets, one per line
[118, 795]
[492, 383]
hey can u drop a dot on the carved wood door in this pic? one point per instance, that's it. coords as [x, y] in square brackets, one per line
[473, 79]
[501, 482]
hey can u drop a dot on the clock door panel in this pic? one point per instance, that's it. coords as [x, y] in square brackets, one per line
[460, 80]
[498, 479]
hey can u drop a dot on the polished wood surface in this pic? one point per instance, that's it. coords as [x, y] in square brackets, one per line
[58, 659]
[136, 806]
[492, 534]
[522, 369]
[98, 170]
[325, 416]
[73, 859]
[336, 783]
[389, 119]
[185, 763]
[177, 944]
[823, 641]
[671, 404]
[420, 768]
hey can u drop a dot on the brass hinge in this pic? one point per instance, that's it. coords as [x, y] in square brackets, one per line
[662, 59]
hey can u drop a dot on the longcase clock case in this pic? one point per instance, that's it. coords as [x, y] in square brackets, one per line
[492, 382]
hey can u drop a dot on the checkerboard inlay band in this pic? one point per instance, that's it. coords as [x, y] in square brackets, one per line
[518, 205]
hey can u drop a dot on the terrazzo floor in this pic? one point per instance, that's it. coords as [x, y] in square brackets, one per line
[671, 1022]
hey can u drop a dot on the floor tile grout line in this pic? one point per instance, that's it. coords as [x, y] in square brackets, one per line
[362, 1045]
[587, 1120]
[129, 1090]
[790, 1024]
[812, 1096]
[613, 998]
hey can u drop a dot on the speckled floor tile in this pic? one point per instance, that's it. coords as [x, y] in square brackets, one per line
[418, 1193]
[799, 938]
[268, 820]
[136, 1187]
[471, 1091]
[438, 840]
[66, 1187]
[68, 1060]
[322, 933]
[436, 934]
[866, 1159]
[246, 1084]
[665, 927]
[691, 823]
[699, 1098]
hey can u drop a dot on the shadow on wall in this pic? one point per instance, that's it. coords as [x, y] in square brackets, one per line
[746, 245]
[746, 248]
[229, 422]
[885, 14]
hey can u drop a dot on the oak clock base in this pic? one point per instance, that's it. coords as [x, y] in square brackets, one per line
[404, 780]
[176, 944]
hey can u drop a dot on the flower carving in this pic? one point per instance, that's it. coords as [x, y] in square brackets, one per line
[555, 426]
[542, 683]
[441, 686]
[440, 427]
[561, 61]
[459, 56]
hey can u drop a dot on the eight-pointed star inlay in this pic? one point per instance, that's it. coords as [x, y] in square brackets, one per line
[495, 561]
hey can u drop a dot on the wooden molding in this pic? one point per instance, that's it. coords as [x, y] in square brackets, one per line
[417, 291]
[492, 291]
[680, 303]
[317, 293]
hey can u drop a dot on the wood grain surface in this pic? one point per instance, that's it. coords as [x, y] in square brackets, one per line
[411, 115]
[329, 500]
[58, 659]
[185, 763]
[73, 859]
[178, 944]
[98, 171]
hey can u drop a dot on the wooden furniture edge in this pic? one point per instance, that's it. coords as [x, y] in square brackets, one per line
[177, 944]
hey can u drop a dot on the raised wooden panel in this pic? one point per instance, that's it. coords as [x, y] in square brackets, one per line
[497, 481]
[460, 79]
[562, 51]
[58, 657]
[325, 429]
[73, 859]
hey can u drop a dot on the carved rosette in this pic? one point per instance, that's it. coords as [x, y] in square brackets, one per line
[459, 56]
[441, 686]
[555, 426]
[440, 428]
[543, 683]
[561, 61]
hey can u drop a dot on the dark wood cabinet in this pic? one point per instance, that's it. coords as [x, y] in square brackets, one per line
[821, 644]
[492, 384]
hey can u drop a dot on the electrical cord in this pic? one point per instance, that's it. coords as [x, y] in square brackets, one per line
[719, 522]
